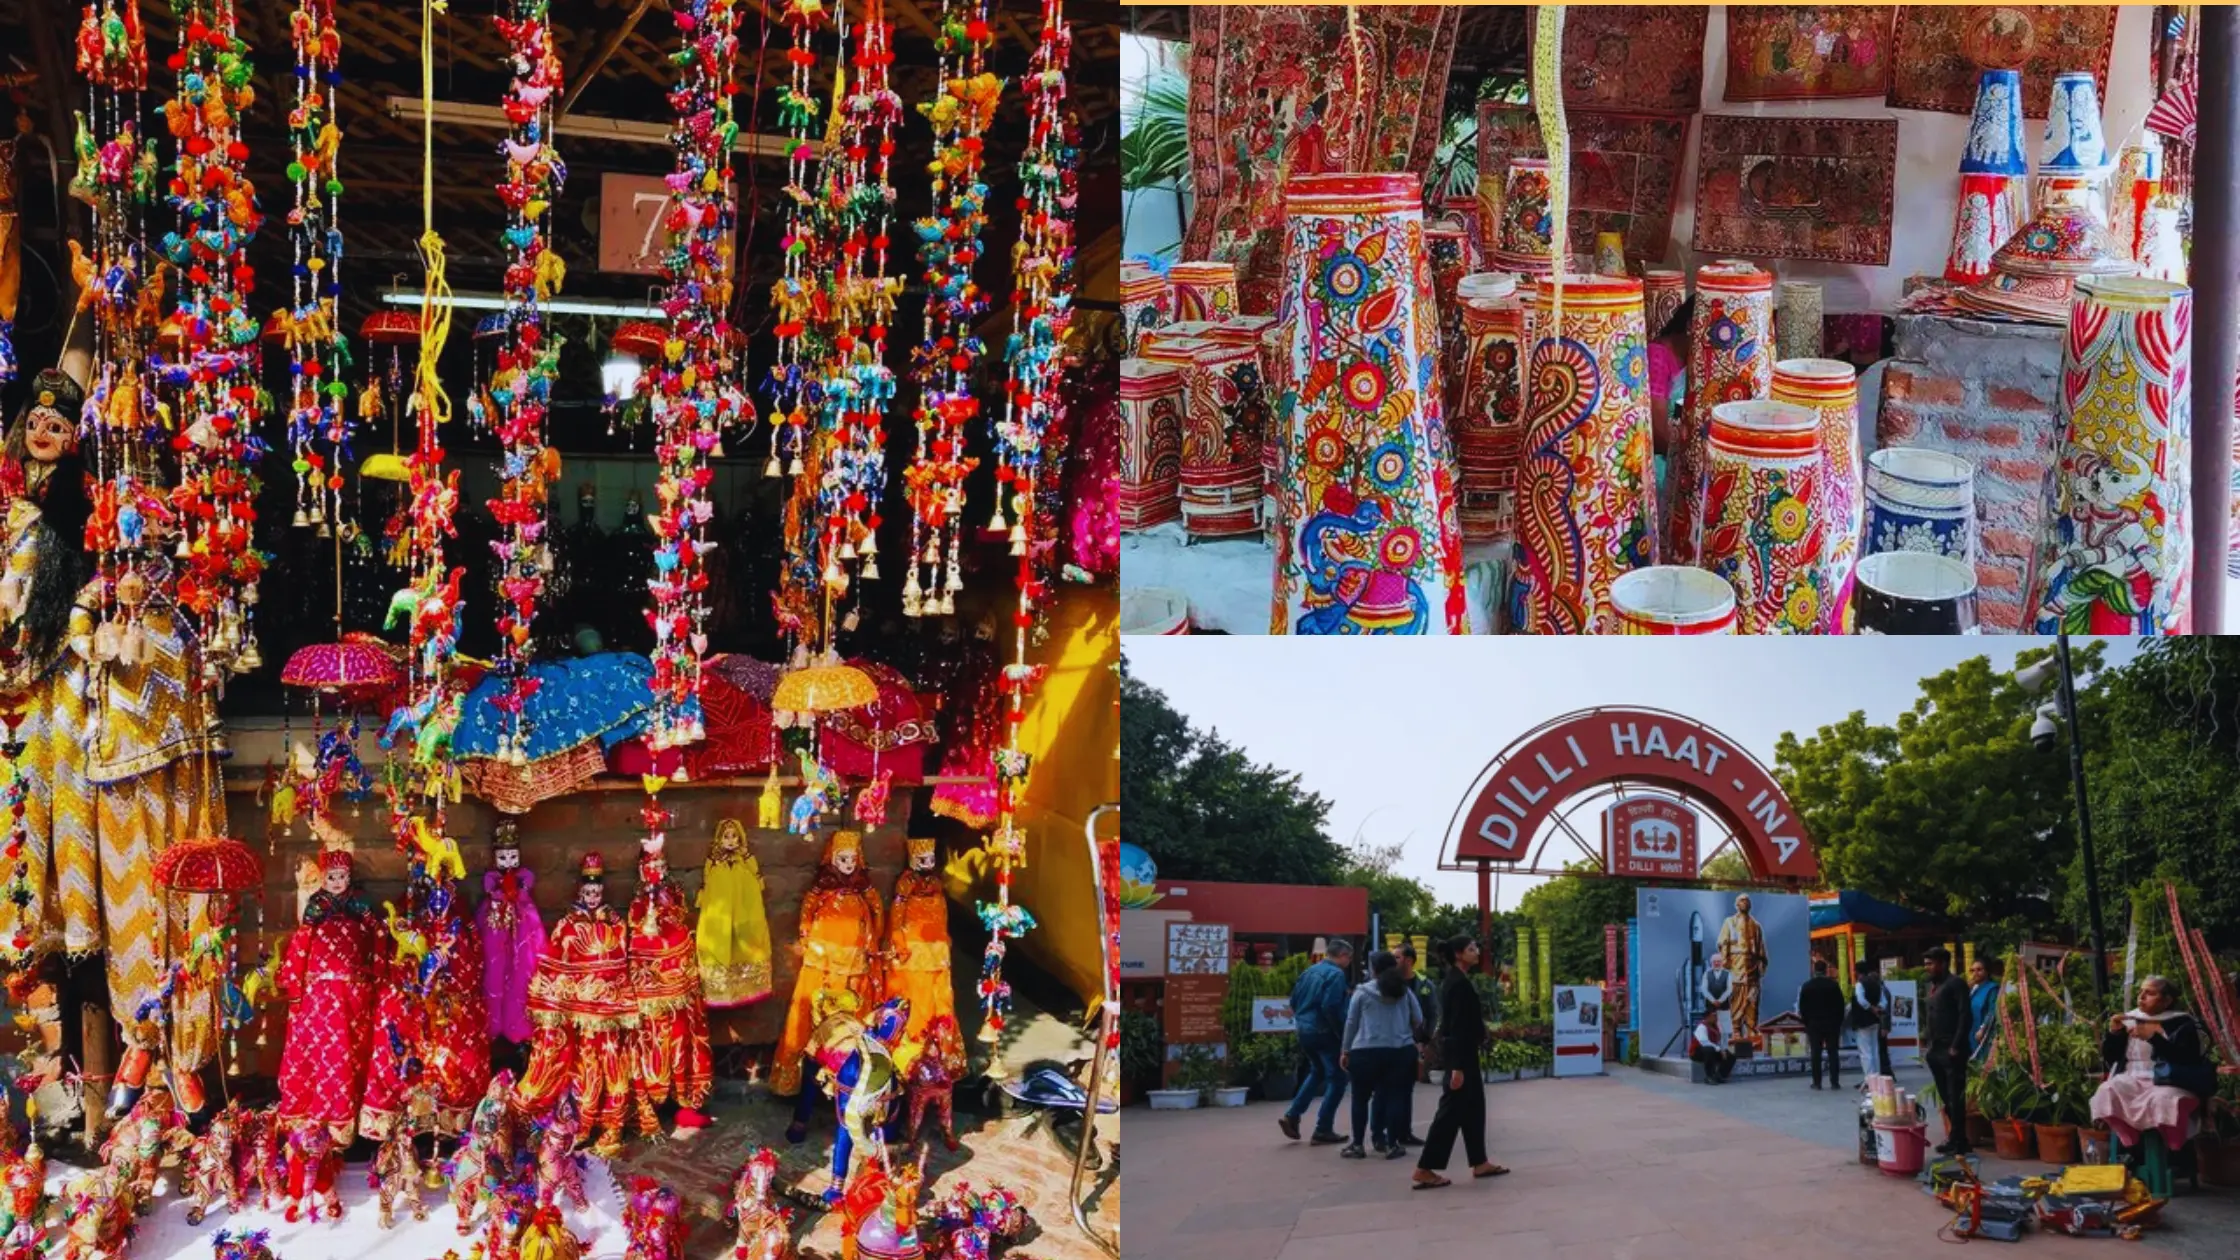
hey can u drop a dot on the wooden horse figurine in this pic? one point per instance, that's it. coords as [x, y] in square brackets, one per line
[879, 1213]
[765, 1228]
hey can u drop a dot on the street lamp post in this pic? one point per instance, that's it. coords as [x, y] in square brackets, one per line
[2034, 679]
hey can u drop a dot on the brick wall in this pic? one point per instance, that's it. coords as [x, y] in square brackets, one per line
[1985, 392]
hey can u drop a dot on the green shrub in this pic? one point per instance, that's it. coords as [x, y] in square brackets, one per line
[1198, 1069]
[1248, 984]
[1142, 1047]
[1262, 1055]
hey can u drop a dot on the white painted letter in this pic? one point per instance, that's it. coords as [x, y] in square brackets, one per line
[1622, 736]
[1687, 752]
[1656, 743]
[1554, 775]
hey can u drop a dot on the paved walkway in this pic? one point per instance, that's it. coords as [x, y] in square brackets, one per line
[1617, 1167]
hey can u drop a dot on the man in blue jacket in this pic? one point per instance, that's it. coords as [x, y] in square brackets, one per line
[1318, 1013]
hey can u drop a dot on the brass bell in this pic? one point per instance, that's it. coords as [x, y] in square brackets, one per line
[303, 518]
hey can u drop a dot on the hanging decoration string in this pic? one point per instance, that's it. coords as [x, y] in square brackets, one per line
[1555, 135]
[318, 419]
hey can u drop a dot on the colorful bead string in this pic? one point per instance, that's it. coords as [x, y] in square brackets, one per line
[318, 420]
[791, 296]
[214, 374]
[949, 247]
[691, 399]
[527, 359]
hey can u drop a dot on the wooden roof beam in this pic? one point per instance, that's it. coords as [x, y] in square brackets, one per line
[460, 114]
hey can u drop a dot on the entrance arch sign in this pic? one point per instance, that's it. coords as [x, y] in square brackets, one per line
[1521, 789]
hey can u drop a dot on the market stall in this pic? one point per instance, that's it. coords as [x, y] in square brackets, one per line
[1668, 319]
[557, 610]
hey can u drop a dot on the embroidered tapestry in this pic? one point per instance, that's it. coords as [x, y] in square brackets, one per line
[1640, 57]
[1791, 52]
[1939, 51]
[1625, 170]
[1283, 90]
[1796, 188]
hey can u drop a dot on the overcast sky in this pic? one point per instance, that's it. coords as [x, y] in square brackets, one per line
[1393, 733]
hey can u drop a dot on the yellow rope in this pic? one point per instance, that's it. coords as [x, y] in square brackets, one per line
[1547, 100]
[435, 296]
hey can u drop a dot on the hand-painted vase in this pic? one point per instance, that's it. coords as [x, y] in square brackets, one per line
[1830, 387]
[1662, 293]
[1586, 507]
[1670, 599]
[1610, 253]
[1367, 541]
[1466, 210]
[2075, 143]
[1730, 359]
[1920, 500]
[1151, 400]
[1223, 420]
[1146, 301]
[2114, 555]
[2162, 252]
[1796, 321]
[1488, 419]
[1204, 290]
[1915, 592]
[1761, 527]
[1447, 249]
[1994, 144]
[1527, 228]
[1983, 222]
[2138, 180]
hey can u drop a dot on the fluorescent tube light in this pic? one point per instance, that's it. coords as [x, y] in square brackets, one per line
[556, 306]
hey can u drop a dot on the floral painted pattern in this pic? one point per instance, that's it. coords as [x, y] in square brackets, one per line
[1762, 527]
[1729, 360]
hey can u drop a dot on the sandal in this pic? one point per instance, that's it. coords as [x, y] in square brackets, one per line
[1489, 1170]
[1433, 1183]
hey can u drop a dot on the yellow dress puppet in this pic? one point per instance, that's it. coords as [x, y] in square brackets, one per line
[733, 937]
[839, 932]
[918, 944]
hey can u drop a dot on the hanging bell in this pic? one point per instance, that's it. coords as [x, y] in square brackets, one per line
[303, 518]
[850, 621]
[324, 531]
[249, 595]
[716, 451]
[948, 604]
[847, 550]
[318, 515]
[793, 466]
[771, 469]
[870, 567]
[996, 523]
[185, 549]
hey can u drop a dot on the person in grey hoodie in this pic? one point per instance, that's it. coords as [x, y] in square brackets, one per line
[1379, 1051]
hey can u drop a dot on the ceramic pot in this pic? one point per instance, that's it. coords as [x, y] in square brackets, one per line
[1204, 290]
[1146, 301]
[1830, 387]
[2014, 1139]
[1920, 500]
[1730, 359]
[1914, 592]
[2057, 1143]
[1151, 402]
[1487, 424]
[2114, 553]
[1671, 599]
[1366, 536]
[1762, 530]
[1586, 509]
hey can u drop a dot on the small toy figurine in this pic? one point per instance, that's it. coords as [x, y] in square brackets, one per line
[257, 1160]
[481, 1162]
[512, 935]
[879, 1213]
[765, 1228]
[506, 1230]
[396, 1175]
[213, 1175]
[559, 1167]
[97, 1224]
[136, 1147]
[25, 1212]
[254, 1245]
[970, 1224]
[654, 1221]
[547, 1237]
[932, 1078]
[855, 1065]
[314, 1165]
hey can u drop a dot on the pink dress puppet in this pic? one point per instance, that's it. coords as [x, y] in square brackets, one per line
[327, 974]
[512, 936]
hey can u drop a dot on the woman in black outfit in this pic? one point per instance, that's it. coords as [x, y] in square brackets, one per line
[1462, 1105]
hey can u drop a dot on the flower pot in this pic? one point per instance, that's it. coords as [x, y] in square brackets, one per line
[1531, 1073]
[1495, 1077]
[2012, 1139]
[1172, 1099]
[1230, 1095]
[1979, 1130]
[2057, 1143]
[2093, 1146]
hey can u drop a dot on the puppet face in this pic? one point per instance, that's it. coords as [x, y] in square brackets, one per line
[507, 859]
[591, 896]
[49, 435]
[922, 862]
[335, 880]
[845, 862]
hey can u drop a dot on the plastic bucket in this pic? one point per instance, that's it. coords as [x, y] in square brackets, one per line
[1900, 1149]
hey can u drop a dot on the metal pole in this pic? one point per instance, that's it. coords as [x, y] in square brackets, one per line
[2084, 821]
[2216, 308]
[1108, 1020]
[1485, 917]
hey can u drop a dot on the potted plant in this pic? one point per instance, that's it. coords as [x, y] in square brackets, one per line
[2007, 1090]
[1195, 1071]
[2218, 1149]
[1270, 1060]
[1228, 1086]
[1142, 1050]
[1535, 1063]
[1979, 1124]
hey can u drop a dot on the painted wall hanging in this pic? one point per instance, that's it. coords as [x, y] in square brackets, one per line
[1939, 50]
[1796, 188]
[1797, 51]
[1625, 171]
[1635, 57]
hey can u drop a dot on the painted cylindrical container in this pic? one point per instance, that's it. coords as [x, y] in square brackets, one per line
[1223, 420]
[1367, 541]
[1920, 500]
[1146, 301]
[1830, 387]
[1586, 508]
[1915, 592]
[1487, 424]
[2075, 142]
[1610, 253]
[1672, 599]
[1204, 290]
[1662, 292]
[1761, 527]
[2114, 554]
[1730, 359]
[1151, 402]
[1527, 230]
[1994, 144]
[1796, 320]
[1983, 221]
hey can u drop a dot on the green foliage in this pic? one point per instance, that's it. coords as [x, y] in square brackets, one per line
[1509, 1056]
[1248, 984]
[1728, 869]
[1399, 902]
[1575, 911]
[1155, 146]
[1197, 1068]
[1142, 1046]
[2005, 1092]
[1203, 810]
[1262, 1055]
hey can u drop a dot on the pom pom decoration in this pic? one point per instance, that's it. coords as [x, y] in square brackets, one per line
[319, 422]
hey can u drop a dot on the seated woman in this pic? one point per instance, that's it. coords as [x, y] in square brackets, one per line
[2131, 1102]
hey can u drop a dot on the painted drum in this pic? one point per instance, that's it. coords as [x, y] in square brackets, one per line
[1831, 388]
[1730, 359]
[1762, 530]
[1146, 301]
[1204, 290]
[1915, 592]
[1673, 599]
[1151, 403]
[1920, 500]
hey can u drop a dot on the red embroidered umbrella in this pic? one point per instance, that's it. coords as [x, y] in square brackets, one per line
[354, 669]
[217, 864]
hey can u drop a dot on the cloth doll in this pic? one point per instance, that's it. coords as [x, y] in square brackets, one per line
[581, 1003]
[672, 1035]
[839, 933]
[918, 942]
[512, 935]
[327, 973]
[734, 932]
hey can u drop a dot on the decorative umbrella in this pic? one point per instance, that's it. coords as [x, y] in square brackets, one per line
[393, 330]
[221, 868]
[353, 670]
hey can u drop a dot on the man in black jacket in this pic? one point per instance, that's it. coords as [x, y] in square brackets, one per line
[1820, 1005]
[1946, 1044]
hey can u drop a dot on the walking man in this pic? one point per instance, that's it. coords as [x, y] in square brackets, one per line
[1946, 1044]
[1318, 1013]
[1820, 1005]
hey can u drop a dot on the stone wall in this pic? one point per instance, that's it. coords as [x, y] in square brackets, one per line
[1985, 392]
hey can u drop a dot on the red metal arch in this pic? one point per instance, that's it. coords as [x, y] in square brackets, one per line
[1527, 784]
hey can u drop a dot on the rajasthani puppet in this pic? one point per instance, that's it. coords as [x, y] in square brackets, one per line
[839, 932]
[734, 933]
[430, 1034]
[672, 1038]
[327, 974]
[918, 943]
[512, 935]
[580, 1002]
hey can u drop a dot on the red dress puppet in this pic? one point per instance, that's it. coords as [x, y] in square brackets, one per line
[431, 1031]
[672, 1037]
[585, 1018]
[327, 973]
